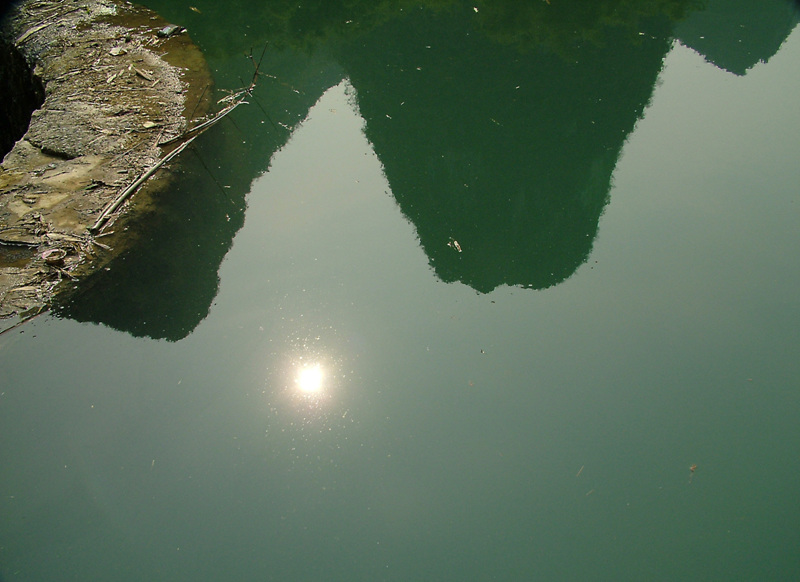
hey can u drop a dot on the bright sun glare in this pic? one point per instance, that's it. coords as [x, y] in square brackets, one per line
[309, 379]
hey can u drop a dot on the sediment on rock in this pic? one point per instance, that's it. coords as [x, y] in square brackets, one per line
[113, 89]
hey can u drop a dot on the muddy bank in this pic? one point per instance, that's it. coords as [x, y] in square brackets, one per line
[116, 83]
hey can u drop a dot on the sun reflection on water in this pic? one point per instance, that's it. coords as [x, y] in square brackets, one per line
[312, 373]
[310, 379]
[308, 392]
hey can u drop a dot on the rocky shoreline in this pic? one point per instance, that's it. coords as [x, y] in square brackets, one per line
[119, 84]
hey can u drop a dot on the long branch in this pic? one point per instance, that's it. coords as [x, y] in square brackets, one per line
[195, 131]
[127, 192]
[191, 134]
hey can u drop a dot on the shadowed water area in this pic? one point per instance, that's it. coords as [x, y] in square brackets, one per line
[486, 291]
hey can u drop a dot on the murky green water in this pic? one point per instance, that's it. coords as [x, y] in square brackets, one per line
[461, 295]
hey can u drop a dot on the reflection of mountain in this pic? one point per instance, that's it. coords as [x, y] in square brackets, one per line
[164, 287]
[735, 35]
[509, 154]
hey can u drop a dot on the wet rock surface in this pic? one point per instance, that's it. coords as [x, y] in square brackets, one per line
[115, 91]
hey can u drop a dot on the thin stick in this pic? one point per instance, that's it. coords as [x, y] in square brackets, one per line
[199, 100]
[195, 131]
[213, 178]
[258, 103]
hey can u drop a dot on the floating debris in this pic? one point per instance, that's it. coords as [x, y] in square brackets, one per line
[453, 243]
[54, 256]
[170, 30]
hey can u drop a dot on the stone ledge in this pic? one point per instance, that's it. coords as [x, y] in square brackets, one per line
[115, 88]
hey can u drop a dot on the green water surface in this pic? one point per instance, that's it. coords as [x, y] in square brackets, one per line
[462, 294]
